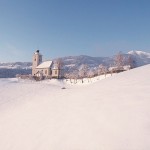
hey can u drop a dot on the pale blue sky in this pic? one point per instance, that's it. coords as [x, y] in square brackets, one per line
[72, 27]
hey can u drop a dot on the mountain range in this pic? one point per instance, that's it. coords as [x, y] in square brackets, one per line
[70, 63]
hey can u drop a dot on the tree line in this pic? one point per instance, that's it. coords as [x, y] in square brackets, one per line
[120, 63]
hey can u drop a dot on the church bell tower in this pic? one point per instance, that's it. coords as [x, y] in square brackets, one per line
[36, 60]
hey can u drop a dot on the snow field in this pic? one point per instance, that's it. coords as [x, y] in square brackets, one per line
[111, 114]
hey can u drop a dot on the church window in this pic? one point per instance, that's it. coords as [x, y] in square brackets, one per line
[45, 71]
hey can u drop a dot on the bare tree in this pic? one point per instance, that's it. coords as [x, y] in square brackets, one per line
[66, 76]
[110, 69]
[119, 61]
[58, 64]
[90, 74]
[75, 75]
[72, 76]
[102, 70]
[105, 70]
[83, 71]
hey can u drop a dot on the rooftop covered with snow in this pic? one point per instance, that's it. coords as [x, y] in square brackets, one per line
[45, 64]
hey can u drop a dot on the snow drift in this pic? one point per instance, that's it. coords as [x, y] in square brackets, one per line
[111, 114]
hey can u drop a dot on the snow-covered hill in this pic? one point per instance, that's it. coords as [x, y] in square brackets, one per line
[111, 114]
[9, 70]
[74, 62]
[15, 65]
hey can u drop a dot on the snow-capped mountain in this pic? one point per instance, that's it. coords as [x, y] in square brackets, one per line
[141, 58]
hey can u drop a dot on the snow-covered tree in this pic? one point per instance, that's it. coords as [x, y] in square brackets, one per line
[75, 75]
[119, 61]
[58, 63]
[90, 74]
[83, 71]
[102, 69]
[72, 76]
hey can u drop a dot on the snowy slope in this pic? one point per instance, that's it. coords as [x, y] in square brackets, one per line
[111, 114]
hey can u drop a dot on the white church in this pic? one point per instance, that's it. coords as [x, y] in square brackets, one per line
[47, 69]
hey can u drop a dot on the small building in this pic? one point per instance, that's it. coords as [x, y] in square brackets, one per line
[47, 69]
[57, 72]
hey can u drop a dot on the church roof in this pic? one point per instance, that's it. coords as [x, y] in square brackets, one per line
[45, 64]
